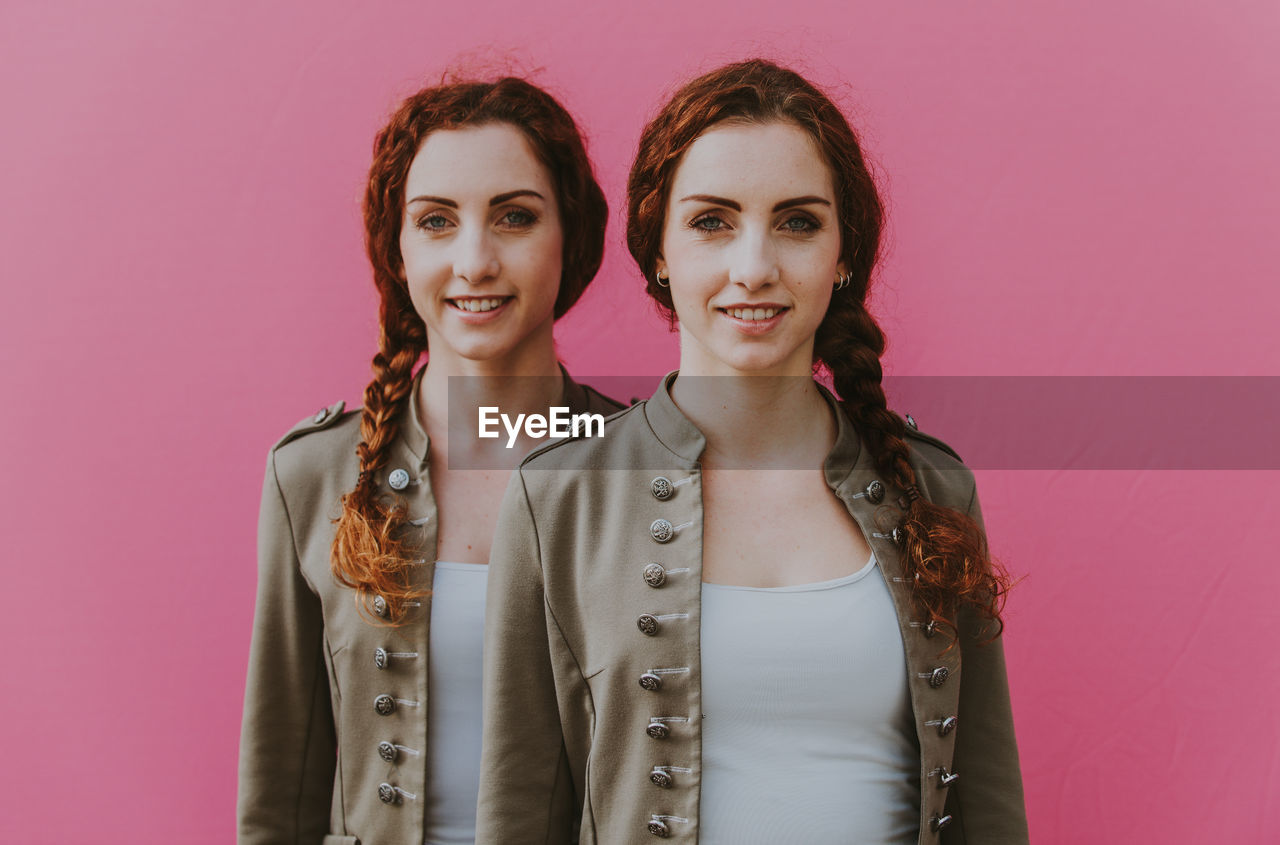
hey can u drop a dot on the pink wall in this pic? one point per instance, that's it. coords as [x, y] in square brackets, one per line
[1086, 191]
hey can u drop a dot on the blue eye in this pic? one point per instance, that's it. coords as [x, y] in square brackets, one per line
[801, 223]
[710, 223]
[433, 222]
[518, 218]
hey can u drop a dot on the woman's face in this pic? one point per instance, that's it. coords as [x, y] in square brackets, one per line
[482, 244]
[751, 246]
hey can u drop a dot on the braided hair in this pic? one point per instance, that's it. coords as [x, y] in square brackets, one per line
[369, 552]
[945, 554]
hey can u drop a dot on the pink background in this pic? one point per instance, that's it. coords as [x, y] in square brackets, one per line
[1089, 190]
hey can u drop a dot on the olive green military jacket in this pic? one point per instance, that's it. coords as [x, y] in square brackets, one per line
[333, 743]
[593, 627]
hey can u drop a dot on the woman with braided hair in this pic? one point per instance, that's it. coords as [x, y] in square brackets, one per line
[775, 618]
[484, 224]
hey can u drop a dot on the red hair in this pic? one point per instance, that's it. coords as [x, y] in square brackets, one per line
[945, 551]
[369, 553]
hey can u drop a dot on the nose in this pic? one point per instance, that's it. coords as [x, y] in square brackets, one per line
[754, 260]
[475, 258]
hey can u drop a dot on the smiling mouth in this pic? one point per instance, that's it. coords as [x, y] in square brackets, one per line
[753, 314]
[478, 305]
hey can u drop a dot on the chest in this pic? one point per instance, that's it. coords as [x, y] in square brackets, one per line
[467, 502]
[776, 528]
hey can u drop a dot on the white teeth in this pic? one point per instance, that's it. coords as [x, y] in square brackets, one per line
[475, 305]
[754, 314]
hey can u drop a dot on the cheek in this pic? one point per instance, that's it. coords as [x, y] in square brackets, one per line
[543, 255]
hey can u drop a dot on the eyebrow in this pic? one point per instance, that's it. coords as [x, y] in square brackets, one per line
[510, 195]
[782, 206]
[498, 200]
[785, 204]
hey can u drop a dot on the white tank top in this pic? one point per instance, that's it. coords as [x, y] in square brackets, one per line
[808, 733]
[453, 702]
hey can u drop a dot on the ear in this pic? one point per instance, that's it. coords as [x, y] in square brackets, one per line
[841, 268]
[661, 266]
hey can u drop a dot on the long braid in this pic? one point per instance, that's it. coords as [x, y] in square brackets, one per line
[945, 557]
[369, 552]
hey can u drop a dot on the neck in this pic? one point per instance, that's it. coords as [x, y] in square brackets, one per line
[454, 388]
[759, 422]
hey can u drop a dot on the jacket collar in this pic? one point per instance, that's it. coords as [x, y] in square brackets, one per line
[846, 461]
[415, 436]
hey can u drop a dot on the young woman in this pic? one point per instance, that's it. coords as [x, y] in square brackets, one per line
[771, 616]
[484, 224]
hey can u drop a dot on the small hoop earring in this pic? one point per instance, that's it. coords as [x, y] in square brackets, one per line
[843, 280]
[662, 283]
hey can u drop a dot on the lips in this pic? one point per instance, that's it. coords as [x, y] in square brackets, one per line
[754, 319]
[753, 314]
[478, 305]
[753, 311]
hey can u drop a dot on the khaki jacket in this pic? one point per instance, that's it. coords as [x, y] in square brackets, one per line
[574, 667]
[335, 717]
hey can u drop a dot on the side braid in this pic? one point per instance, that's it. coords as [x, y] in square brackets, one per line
[946, 557]
[369, 553]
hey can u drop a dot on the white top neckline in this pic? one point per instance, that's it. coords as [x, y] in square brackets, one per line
[803, 588]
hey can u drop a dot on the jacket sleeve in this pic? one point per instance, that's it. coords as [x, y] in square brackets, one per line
[288, 747]
[526, 790]
[986, 799]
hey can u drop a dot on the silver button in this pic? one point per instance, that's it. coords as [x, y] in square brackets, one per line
[321, 416]
[661, 778]
[931, 628]
[385, 705]
[948, 725]
[899, 536]
[937, 823]
[661, 530]
[387, 751]
[657, 730]
[387, 794]
[650, 681]
[946, 778]
[875, 492]
[655, 575]
[938, 677]
[380, 658]
[398, 479]
[658, 828]
[662, 488]
[648, 624]
[380, 607]
[911, 421]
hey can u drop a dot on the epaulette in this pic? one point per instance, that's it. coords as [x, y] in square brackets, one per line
[321, 419]
[914, 431]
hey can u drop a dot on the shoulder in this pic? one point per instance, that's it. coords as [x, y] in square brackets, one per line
[928, 444]
[598, 403]
[940, 473]
[580, 451]
[320, 444]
